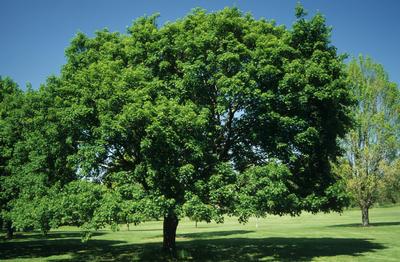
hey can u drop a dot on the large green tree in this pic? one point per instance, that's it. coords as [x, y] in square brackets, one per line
[202, 115]
[371, 166]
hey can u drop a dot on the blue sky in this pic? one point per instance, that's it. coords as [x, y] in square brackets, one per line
[34, 34]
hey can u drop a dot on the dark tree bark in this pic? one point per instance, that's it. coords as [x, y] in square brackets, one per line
[170, 225]
[10, 230]
[365, 216]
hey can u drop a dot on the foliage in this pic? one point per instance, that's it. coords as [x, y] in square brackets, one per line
[11, 101]
[36, 143]
[168, 105]
[265, 192]
[390, 193]
[373, 145]
[173, 121]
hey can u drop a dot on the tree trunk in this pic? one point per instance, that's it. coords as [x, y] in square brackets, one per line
[365, 216]
[10, 230]
[170, 225]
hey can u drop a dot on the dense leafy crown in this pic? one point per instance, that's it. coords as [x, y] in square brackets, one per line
[178, 112]
[215, 113]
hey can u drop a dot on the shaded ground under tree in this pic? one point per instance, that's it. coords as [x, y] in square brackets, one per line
[199, 248]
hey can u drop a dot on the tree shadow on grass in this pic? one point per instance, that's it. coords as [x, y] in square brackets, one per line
[50, 235]
[276, 248]
[42, 248]
[213, 234]
[225, 249]
[378, 224]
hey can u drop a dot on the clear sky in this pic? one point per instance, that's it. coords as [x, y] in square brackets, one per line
[34, 34]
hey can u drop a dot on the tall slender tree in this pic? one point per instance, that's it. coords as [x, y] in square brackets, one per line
[373, 145]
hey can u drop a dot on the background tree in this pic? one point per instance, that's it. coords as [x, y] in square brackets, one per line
[391, 182]
[11, 99]
[177, 117]
[36, 145]
[373, 145]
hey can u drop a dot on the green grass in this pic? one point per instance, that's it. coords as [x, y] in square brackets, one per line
[321, 237]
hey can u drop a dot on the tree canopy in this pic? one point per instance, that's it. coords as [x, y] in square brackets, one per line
[213, 114]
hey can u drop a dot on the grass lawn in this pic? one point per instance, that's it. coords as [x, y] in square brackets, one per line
[321, 237]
